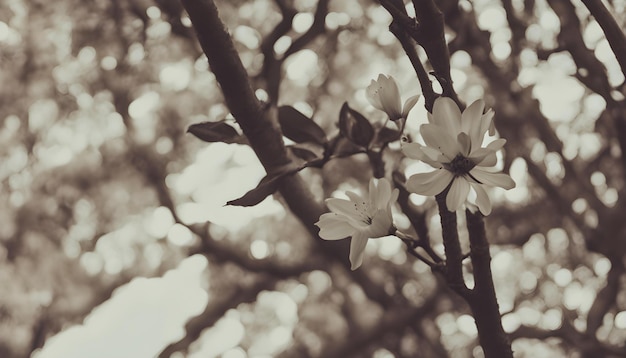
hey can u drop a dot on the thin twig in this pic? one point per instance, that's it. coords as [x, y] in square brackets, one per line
[613, 31]
[409, 48]
[411, 247]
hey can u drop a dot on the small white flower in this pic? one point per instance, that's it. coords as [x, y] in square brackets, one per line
[360, 218]
[384, 95]
[454, 147]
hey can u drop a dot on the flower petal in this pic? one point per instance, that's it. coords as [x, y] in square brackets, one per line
[429, 184]
[393, 198]
[488, 120]
[486, 123]
[413, 150]
[457, 194]
[436, 137]
[434, 155]
[447, 115]
[465, 143]
[382, 222]
[341, 206]
[390, 96]
[494, 179]
[379, 194]
[416, 151]
[471, 120]
[489, 161]
[482, 199]
[497, 144]
[371, 92]
[483, 157]
[333, 227]
[357, 248]
[409, 104]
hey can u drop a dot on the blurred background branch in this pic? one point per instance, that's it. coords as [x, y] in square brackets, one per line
[104, 195]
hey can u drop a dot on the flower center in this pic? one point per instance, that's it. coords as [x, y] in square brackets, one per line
[460, 165]
[362, 213]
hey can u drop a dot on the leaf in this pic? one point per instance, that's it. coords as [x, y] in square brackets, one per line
[266, 187]
[386, 135]
[215, 132]
[345, 147]
[354, 126]
[302, 153]
[298, 127]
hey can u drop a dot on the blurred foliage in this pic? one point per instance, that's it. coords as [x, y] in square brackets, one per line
[100, 184]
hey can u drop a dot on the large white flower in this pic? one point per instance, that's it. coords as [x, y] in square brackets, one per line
[454, 147]
[384, 94]
[360, 218]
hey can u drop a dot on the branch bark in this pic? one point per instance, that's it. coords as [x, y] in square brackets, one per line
[484, 304]
[614, 33]
[261, 128]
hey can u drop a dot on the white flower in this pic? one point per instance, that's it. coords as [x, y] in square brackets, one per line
[360, 218]
[454, 147]
[383, 94]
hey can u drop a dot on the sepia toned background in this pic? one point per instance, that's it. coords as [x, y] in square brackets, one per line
[115, 240]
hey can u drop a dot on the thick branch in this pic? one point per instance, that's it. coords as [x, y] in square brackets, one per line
[261, 128]
[431, 36]
[452, 247]
[484, 303]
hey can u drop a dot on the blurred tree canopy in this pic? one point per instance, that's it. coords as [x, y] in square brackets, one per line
[102, 187]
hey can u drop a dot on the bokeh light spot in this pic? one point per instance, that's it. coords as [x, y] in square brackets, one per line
[180, 235]
[302, 22]
[259, 249]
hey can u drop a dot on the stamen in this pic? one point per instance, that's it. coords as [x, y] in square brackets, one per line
[460, 165]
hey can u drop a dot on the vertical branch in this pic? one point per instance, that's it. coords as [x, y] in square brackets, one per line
[430, 35]
[271, 65]
[257, 125]
[452, 247]
[411, 52]
[484, 304]
[614, 34]
[482, 299]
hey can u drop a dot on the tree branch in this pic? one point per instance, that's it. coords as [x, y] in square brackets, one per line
[261, 128]
[484, 303]
[393, 321]
[613, 31]
[215, 310]
[411, 52]
[431, 36]
[452, 246]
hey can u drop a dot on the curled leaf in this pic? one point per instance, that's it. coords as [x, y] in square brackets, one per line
[303, 153]
[386, 135]
[355, 127]
[266, 187]
[215, 132]
[298, 127]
